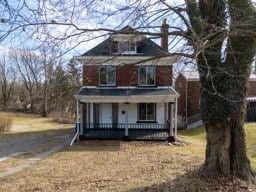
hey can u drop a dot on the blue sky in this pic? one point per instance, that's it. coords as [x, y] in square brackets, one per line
[82, 16]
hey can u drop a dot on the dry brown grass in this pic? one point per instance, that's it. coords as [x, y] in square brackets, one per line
[6, 120]
[62, 117]
[117, 165]
[120, 166]
[105, 166]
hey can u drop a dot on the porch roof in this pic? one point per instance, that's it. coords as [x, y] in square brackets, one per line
[251, 99]
[130, 95]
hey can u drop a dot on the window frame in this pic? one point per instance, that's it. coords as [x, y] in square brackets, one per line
[146, 120]
[147, 85]
[127, 51]
[107, 84]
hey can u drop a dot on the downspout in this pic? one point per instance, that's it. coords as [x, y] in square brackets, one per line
[76, 136]
[176, 118]
[186, 102]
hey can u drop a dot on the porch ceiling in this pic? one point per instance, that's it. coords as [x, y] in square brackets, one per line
[129, 95]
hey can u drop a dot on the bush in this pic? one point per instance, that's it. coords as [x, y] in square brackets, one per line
[62, 117]
[6, 120]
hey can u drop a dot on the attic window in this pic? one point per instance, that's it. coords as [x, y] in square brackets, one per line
[125, 47]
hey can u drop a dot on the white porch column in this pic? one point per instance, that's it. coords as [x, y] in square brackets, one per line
[126, 119]
[176, 119]
[78, 123]
[77, 110]
[81, 112]
[171, 119]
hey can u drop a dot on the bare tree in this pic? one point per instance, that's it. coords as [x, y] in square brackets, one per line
[51, 58]
[7, 80]
[30, 68]
[224, 80]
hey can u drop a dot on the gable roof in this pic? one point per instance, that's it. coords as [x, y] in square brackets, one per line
[147, 46]
[194, 76]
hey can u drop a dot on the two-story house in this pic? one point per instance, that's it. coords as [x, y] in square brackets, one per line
[127, 88]
[187, 85]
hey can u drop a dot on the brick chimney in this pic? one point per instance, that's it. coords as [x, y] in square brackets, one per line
[164, 31]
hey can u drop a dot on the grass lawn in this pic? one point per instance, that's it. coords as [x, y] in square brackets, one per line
[250, 130]
[127, 166]
[29, 124]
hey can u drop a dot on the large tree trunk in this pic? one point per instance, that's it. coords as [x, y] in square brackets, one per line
[224, 80]
[223, 117]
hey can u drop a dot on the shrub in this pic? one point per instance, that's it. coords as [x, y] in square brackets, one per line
[6, 120]
[62, 117]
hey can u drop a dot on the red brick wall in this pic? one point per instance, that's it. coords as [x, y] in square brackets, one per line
[127, 76]
[193, 98]
[194, 95]
[252, 88]
[180, 87]
[90, 75]
[163, 75]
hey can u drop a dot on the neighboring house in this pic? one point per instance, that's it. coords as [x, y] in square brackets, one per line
[188, 86]
[127, 91]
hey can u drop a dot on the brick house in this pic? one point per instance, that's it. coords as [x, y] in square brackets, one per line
[127, 89]
[188, 86]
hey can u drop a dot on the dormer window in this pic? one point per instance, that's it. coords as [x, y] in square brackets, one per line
[127, 48]
[124, 47]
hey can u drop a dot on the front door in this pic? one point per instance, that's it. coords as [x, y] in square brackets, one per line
[106, 114]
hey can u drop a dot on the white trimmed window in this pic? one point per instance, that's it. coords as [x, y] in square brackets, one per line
[107, 75]
[146, 76]
[147, 111]
[127, 48]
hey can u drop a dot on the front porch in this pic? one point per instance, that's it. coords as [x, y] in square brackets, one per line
[134, 117]
[251, 109]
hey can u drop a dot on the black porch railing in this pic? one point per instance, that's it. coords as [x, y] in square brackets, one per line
[142, 131]
[123, 126]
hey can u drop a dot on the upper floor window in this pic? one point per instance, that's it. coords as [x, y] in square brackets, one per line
[107, 75]
[124, 47]
[146, 76]
[127, 47]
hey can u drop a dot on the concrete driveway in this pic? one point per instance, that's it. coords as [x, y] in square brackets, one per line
[27, 143]
[31, 147]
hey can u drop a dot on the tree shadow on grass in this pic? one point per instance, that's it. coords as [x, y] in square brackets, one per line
[96, 145]
[192, 181]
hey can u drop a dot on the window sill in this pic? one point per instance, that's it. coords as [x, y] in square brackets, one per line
[146, 122]
[127, 53]
[147, 85]
[107, 85]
